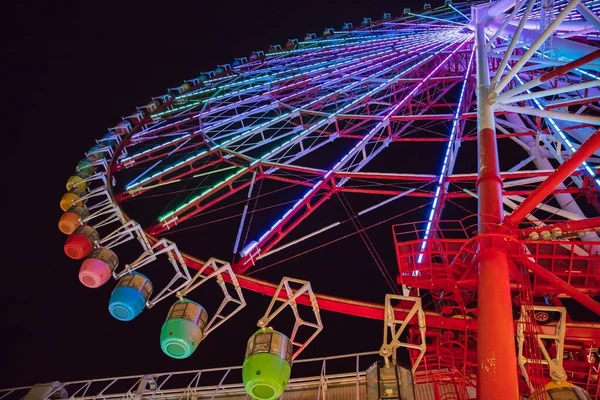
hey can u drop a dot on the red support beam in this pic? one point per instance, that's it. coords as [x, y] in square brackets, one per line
[563, 286]
[563, 69]
[556, 178]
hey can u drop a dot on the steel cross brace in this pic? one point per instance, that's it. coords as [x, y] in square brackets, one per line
[397, 326]
[288, 296]
[218, 270]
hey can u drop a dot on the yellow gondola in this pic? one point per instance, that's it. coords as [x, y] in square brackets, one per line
[561, 390]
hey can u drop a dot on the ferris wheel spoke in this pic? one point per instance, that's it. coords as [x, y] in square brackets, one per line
[225, 96]
[433, 99]
[544, 78]
[274, 234]
[413, 38]
[449, 160]
[294, 72]
[341, 132]
[324, 48]
[330, 117]
[566, 92]
[586, 119]
[589, 15]
[539, 41]
[191, 208]
[513, 43]
[252, 110]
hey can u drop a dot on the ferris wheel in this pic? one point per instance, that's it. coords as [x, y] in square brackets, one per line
[468, 133]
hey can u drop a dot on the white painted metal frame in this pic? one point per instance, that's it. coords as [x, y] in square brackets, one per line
[393, 329]
[557, 371]
[188, 384]
[98, 176]
[496, 89]
[216, 269]
[105, 215]
[100, 162]
[104, 211]
[125, 233]
[289, 300]
[102, 147]
[182, 273]
[554, 144]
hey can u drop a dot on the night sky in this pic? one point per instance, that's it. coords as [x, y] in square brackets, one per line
[74, 69]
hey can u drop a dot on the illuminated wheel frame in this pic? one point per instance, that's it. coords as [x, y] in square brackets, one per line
[397, 56]
[385, 84]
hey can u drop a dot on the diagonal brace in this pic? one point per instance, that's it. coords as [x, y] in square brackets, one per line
[563, 286]
[556, 178]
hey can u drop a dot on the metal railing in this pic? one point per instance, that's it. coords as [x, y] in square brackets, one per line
[210, 383]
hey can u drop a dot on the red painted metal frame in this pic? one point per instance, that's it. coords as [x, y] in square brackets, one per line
[329, 185]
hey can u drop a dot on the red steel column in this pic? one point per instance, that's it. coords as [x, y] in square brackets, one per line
[496, 356]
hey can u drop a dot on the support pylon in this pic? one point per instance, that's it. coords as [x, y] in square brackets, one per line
[496, 356]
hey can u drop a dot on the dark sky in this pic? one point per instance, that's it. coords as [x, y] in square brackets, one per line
[74, 69]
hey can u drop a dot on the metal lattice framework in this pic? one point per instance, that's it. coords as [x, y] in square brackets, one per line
[283, 136]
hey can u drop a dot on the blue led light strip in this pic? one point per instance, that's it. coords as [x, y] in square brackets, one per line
[445, 170]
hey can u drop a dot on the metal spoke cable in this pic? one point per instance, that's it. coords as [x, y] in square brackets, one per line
[336, 240]
[368, 243]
